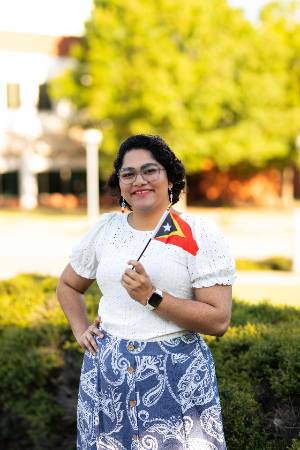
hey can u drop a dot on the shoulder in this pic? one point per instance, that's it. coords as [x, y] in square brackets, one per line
[105, 219]
[207, 233]
[105, 224]
[110, 216]
[200, 224]
[99, 227]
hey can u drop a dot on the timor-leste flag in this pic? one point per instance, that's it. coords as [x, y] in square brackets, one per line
[176, 231]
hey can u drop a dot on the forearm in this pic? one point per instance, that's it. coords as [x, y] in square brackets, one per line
[193, 315]
[73, 306]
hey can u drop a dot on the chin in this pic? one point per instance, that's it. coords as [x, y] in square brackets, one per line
[143, 206]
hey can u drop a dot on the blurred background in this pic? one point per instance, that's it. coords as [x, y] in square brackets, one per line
[220, 82]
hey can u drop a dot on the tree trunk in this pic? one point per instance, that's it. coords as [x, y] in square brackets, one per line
[287, 187]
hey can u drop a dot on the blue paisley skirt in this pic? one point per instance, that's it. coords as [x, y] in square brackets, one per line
[145, 395]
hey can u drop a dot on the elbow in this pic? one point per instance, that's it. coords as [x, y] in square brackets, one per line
[220, 332]
[222, 328]
[218, 329]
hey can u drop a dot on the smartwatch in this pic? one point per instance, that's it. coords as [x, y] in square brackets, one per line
[154, 299]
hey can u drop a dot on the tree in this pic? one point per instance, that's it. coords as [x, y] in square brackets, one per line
[215, 87]
[280, 25]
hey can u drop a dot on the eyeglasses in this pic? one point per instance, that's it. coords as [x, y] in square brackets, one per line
[147, 172]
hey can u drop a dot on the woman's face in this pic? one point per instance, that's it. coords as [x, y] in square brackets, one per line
[141, 194]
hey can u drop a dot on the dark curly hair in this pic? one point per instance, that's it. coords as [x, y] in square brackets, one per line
[161, 152]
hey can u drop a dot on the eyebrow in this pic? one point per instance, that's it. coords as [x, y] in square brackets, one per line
[142, 167]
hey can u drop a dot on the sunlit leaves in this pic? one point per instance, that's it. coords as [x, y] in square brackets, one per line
[213, 85]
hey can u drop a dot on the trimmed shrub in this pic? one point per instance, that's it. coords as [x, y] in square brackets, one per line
[257, 363]
[272, 263]
[39, 366]
[258, 368]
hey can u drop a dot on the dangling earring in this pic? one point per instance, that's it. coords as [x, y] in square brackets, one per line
[123, 205]
[170, 195]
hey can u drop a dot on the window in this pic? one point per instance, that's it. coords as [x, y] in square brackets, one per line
[13, 96]
[44, 102]
[9, 183]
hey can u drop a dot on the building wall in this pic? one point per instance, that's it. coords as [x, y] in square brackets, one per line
[30, 137]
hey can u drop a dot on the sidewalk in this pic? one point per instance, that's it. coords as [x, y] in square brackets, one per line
[40, 244]
[279, 287]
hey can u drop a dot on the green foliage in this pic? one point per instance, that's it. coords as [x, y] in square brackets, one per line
[272, 263]
[258, 366]
[257, 363]
[215, 86]
[39, 366]
[295, 444]
[244, 313]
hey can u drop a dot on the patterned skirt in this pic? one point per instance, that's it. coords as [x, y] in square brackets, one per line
[141, 395]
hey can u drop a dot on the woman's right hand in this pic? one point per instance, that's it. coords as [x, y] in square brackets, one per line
[87, 339]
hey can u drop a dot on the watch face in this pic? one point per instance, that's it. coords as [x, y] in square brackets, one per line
[155, 299]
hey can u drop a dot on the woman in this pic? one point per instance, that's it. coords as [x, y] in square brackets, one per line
[148, 379]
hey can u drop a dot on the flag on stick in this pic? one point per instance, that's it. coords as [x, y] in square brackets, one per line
[162, 219]
[176, 231]
[171, 229]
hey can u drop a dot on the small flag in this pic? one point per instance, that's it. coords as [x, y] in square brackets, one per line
[176, 231]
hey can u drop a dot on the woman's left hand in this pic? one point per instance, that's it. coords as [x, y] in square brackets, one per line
[137, 282]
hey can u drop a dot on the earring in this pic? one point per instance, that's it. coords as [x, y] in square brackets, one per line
[123, 205]
[170, 195]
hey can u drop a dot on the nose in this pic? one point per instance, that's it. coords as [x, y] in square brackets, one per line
[139, 179]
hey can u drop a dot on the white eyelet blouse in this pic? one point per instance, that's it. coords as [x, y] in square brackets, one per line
[104, 251]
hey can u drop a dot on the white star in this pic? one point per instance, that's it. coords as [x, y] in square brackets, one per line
[167, 227]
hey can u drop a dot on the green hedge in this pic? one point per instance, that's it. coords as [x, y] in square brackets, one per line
[272, 263]
[257, 362]
[258, 367]
[39, 366]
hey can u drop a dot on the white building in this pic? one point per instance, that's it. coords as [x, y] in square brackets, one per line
[36, 153]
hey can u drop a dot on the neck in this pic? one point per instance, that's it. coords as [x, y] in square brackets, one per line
[146, 220]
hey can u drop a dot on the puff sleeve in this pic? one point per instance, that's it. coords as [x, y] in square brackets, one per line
[83, 258]
[213, 263]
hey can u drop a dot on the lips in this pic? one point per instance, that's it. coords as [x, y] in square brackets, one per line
[141, 192]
